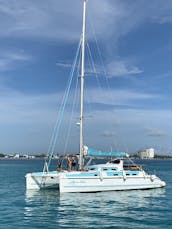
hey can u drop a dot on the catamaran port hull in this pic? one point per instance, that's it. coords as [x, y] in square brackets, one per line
[40, 180]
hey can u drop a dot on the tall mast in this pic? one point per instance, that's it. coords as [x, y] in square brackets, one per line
[82, 86]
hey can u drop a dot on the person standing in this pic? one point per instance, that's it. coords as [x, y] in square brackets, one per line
[73, 164]
[69, 163]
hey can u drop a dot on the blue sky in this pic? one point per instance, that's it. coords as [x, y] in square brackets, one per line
[38, 41]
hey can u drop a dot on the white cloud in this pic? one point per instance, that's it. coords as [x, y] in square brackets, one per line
[165, 19]
[130, 132]
[63, 65]
[48, 19]
[154, 132]
[9, 59]
[18, 108]
[116, 97]
[26, 121]
[108, 134]
[63, 19]
[30, 118]
[122, 68]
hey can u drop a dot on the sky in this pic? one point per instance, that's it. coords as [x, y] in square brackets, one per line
[131, 44]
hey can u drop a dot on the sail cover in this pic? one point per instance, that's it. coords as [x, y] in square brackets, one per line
[94, 153]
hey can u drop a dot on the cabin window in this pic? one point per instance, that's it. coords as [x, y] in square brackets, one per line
[113, 169]
[92, 168]
[105, 169]
[127, 174]
[115, 161]
[115, 174]
[95, 175]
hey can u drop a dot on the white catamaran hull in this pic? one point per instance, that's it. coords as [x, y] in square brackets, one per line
[108, 184]
[42, 180]
[88, 182]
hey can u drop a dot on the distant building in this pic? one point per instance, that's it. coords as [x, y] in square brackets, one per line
[146, 153]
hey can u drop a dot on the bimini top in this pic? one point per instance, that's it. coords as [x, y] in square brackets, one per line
[94, 153]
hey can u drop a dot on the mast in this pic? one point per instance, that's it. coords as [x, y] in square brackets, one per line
[82, 86]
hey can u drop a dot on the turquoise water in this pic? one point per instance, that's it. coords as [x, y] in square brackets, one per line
[47, 209]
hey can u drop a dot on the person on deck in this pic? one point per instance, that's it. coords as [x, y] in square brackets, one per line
[69, 163]
[59, 166]
[73, 164]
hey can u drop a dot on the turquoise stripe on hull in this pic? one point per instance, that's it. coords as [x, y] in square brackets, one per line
[82, 175]
[114, 174]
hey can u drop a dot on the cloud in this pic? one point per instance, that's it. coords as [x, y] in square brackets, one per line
[117, 97]
[53, 19]
[63, 65]
[16, 107]
[49, 19]
[116, 68]
[165, 19]
[9, 59]
[108, 134]
[30, 118]
[154, 132]
[129, 135]
[122, 68]
[26, 119]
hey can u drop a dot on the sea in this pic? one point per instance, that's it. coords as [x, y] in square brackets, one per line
[50, 209]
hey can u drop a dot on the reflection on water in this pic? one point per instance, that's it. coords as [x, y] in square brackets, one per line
[83, 210]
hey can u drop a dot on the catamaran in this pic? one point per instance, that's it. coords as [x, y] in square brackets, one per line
[110, 176]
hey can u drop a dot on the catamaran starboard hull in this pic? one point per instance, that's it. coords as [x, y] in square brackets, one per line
[108, 184]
